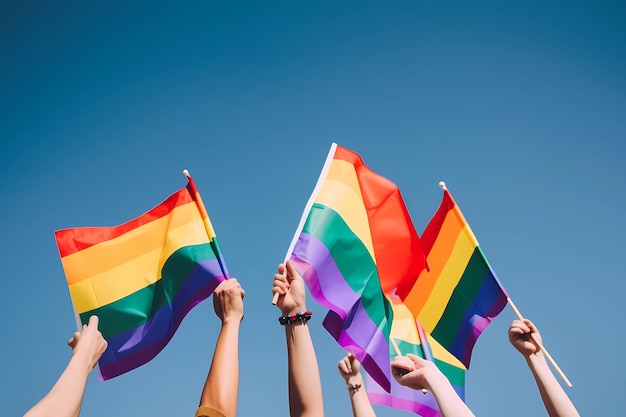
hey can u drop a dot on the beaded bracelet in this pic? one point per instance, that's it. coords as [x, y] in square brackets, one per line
[354, 387]
[299, 317]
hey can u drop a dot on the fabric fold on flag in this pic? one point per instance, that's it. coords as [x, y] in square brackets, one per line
[405, 333]
[355, 241]
[141, 278]
[458, 295]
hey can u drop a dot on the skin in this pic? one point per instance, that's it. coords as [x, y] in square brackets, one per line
[221, 388]
[417, 373]
[66, 396]
[305, 387]
[349, 368]
[525, 337]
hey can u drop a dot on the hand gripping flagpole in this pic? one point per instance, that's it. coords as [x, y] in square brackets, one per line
[543, 349]
[520, 317]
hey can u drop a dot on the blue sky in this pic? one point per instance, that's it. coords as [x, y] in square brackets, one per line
[518, 106]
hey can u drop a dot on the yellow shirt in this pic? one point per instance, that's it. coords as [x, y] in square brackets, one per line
[208, 412]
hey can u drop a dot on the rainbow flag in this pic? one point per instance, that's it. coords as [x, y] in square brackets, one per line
[410, 338]
[142, 277]
[356, 240]
[458, 295]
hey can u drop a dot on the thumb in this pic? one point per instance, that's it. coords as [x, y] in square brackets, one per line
[292, 273]
[93, 322]
[416, 359]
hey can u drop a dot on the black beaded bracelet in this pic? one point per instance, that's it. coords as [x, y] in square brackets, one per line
[299, 317]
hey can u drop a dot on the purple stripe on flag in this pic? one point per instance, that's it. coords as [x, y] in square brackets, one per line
[326, 283]
[351, 325]
[487, 304]
[358, 335]
[133, 348]
[404, 398]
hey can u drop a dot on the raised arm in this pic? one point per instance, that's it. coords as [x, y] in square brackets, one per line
[417, 373]
[221, 389]
[66, 396]
[305, 387]
[524, 336]
[349, 368]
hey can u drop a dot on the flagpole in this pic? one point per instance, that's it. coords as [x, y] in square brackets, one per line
[443, 186]
[206, 221]
[543, 349]
[307, 208]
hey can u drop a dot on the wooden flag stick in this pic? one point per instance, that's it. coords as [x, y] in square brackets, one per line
[395, 346]
[543, 349]
[276, 295]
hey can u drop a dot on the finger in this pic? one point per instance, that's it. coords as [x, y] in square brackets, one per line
[73, 340]
[281, 286]
[525, 325]
[516, 331]
[352, 360]
[93, 322]
[231, 283]
[291, 271]
[414, 358]
[403, 363]
[343, 367]
[220, 287]
[398, 373]
[280, 278]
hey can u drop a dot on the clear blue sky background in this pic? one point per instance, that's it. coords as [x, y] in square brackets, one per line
[518, 106]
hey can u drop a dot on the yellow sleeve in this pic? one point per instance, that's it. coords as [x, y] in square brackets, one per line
[208, 412]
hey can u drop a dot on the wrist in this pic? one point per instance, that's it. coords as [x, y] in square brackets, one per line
[433, 381]
[83, 361]
[301, 317]
[293, 310]
[354, 380]
[536, 359]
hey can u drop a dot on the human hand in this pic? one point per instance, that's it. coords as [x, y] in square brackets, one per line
[290, 287]
[88, 345]
[228, 300]
[524, 337]
[414, 372]
[349, 368]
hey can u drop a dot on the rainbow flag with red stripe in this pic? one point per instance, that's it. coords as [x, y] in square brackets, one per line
[458, 295]
[141, 278]
[355, 242]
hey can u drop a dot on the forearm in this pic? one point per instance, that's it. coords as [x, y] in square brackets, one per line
[450, 404]
[221, 388]
[305, 388]
[554, 398]
[361, 405]
[66, 396]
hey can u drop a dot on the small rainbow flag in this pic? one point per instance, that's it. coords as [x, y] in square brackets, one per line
[355, 241]
[142, 277]
[405, 332]
[458, 295]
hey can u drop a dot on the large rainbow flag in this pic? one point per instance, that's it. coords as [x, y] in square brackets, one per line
[406, 334]
[458, 295]
[356, 240]
[142, 277]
